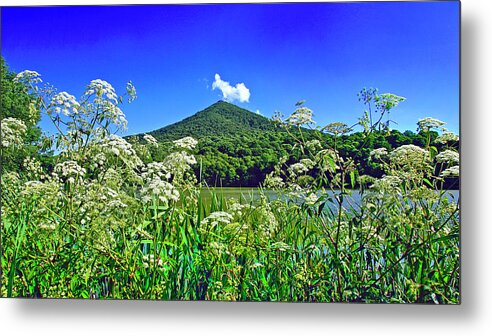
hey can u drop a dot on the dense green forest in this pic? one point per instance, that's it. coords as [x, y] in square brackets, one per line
[237, 147]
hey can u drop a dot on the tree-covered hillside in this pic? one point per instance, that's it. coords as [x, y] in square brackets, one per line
[237, 147]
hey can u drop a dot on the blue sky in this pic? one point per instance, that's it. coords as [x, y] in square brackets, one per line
[324, 53]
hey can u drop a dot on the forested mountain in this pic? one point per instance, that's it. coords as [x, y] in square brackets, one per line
[221, 119]
[237, 147]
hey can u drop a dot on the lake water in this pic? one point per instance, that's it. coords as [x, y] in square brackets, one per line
[253, 194]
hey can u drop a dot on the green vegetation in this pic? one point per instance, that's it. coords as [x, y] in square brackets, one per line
[239, 148]
[118, 219]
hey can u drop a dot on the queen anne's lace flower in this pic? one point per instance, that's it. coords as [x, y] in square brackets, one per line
[185, 143]
[273, 182]
[378, 153]
[155, 170]
[115, 114]
[216, 218]
[451, 172]
[28, 77]
[150, 140]
[428, 123]
[297, 168]
[410, 156]
[179, 161]
[386, 183]
[70, 170]
[64, 103]
[311, 199]
[447, 137]
[120, 147]
[102, 88]
[12, 131]
[448, 156]
[336, 128]
[163, 190]
[301, 116]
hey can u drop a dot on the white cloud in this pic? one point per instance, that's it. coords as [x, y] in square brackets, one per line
[229, 93]
[258, 112]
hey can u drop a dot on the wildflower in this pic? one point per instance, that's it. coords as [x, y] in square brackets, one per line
[453, 171]
[447, 137]
[165, 191]
[311, 199]
[336, 128]
[178, 162]
[12, 131]
[386, 101]
[313, 145]
[308, 163]
[386, 183]
[428, 123]
[301, 116]
[185, 143]
[410, 156]
[113, 113]
[150, 260]
[65, 103]
[28, 77]
[101, 88]
[273, 182]
[448, 156]
[69, 169]
[236, 208]
[378, 153]
[150, 140]
[118, 146]
[216, 218]
[297, 168]
[155, 169]
[131, 91]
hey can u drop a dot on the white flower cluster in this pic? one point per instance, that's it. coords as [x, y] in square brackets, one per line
[131, 91]
[336, 128]
[155, 170]
[451, 172]
[311, 199]
[65, 103]
[33, 168]
[301, 116]
[12, 131]
[102, 88]
[151, 140]
[185, 143]
[386, 183]
[313, 145]
[150, 260]
[447, 137]
[69, 169]
[297, 168]
[163, 190]
[274, 182]
[120, 147]
[448, 156]
[378, 153]
[216, 218]
[179, 162]
[428, 123]
[409, 155]
[28, 77]
[115, 114]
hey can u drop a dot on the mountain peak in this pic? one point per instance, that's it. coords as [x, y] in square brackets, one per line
[219, 119]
